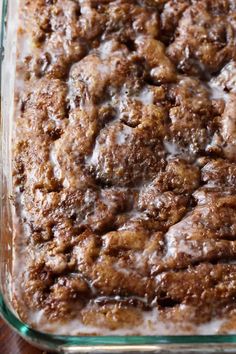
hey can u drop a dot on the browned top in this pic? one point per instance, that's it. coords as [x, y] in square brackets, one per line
[125, 160]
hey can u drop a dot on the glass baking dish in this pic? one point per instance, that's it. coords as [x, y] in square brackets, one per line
[66, 344]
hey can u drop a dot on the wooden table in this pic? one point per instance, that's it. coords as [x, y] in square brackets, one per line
[11, 342]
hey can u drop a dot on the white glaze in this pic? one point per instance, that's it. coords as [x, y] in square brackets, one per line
[171, 148]
[145, 96]
[123, 135]
[55, 164]
[151, 325]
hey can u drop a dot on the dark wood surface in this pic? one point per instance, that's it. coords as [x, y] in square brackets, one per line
[12, 343]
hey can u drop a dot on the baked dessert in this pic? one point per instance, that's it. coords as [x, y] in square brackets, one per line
[124, 166]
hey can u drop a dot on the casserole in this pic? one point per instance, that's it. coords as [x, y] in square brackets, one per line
[65, 343]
